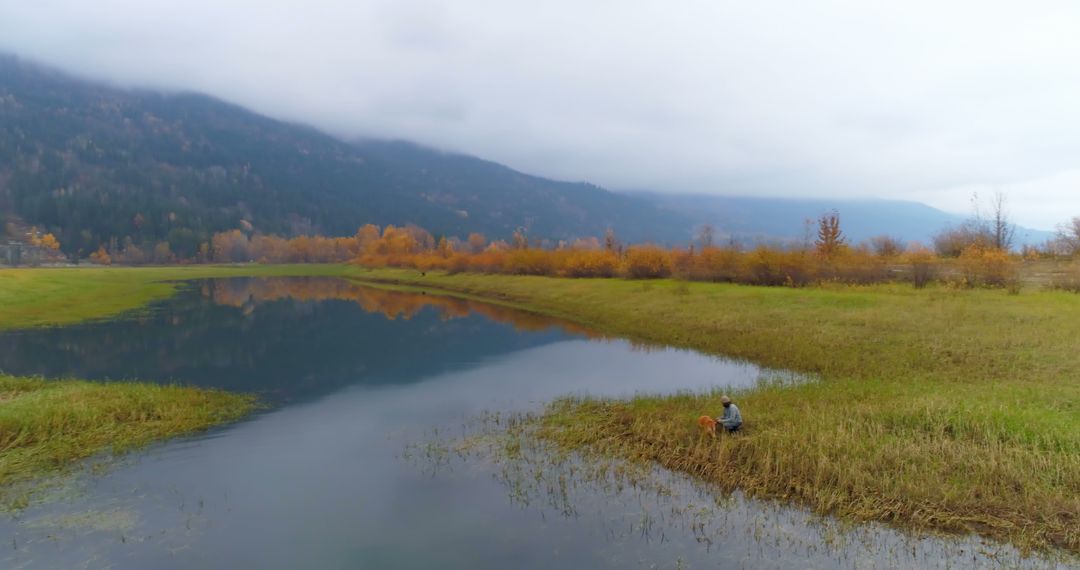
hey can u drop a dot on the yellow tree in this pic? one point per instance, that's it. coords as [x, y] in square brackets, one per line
[477, 242]
[232, 245]
[101, 256]
[396, 241]
[366, 237]
[49, 241]
[445, 248]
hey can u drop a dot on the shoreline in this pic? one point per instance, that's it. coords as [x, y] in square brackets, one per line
[938, 409]
[50, 426]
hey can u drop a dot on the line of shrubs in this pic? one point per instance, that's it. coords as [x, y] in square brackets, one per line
[976, 267]
[830, 260]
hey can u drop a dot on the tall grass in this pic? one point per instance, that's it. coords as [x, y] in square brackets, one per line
[930, 464]
[1067, 279]
[942, 408]
[47, 426]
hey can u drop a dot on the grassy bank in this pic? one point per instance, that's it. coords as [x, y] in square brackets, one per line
[56, 296]
[47, 426]
[938, 409]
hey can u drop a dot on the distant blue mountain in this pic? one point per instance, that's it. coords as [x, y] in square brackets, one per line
[753, 220]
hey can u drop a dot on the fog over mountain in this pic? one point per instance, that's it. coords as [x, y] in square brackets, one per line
[96, 164]
[916, 101]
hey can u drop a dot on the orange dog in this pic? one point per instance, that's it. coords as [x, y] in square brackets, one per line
[707, 424]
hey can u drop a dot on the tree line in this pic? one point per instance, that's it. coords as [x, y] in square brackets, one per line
[978, 252]
[829, 258]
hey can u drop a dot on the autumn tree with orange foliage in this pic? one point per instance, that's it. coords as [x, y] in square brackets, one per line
[477, 242]
[589, 257]
[831, 259]
[647, 262]
[50, 242]
[986, 266]
[101, 257]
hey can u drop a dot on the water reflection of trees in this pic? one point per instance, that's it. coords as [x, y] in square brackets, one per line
[392, 304]
[228, 334]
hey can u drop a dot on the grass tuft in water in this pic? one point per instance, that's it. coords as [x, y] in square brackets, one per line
[935, 409]
[49, 426]
[641, 501]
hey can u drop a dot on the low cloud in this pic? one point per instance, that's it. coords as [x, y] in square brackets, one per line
[919, 100]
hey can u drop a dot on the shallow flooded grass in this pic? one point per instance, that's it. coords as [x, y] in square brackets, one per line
[638, 499]
[863, 472]
[938, 409]
[49, 426]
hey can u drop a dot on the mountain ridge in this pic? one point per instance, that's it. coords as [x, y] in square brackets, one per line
[98, 164]
[751, 219]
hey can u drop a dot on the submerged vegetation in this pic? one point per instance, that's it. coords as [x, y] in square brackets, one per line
[938, 409]
[643, 500]
[46, 426]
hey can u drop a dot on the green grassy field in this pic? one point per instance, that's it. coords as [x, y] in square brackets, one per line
[942, 409]
[46, 426]
[56, 296]
[938, 409]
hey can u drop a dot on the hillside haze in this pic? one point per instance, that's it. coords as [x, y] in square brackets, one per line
[93, 164]
[96, 164]
[755, 219]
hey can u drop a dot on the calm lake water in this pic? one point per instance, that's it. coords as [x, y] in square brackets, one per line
[334, 474]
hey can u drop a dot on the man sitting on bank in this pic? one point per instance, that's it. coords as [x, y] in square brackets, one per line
[731, 418]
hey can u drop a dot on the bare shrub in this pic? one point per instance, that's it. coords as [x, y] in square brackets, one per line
[923, 264]
[953, 241]
[887, 246]
[1067, 280]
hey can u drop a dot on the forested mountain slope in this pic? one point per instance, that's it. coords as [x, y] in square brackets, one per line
[95, 164]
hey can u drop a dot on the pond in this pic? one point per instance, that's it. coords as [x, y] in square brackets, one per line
[356, 379]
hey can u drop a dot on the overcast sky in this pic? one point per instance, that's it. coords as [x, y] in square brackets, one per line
[927, 101]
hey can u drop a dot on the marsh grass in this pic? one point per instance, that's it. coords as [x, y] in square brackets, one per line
[47, 427]
[631, 501]
[115, 520]
[973, 482]
[939, 409]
